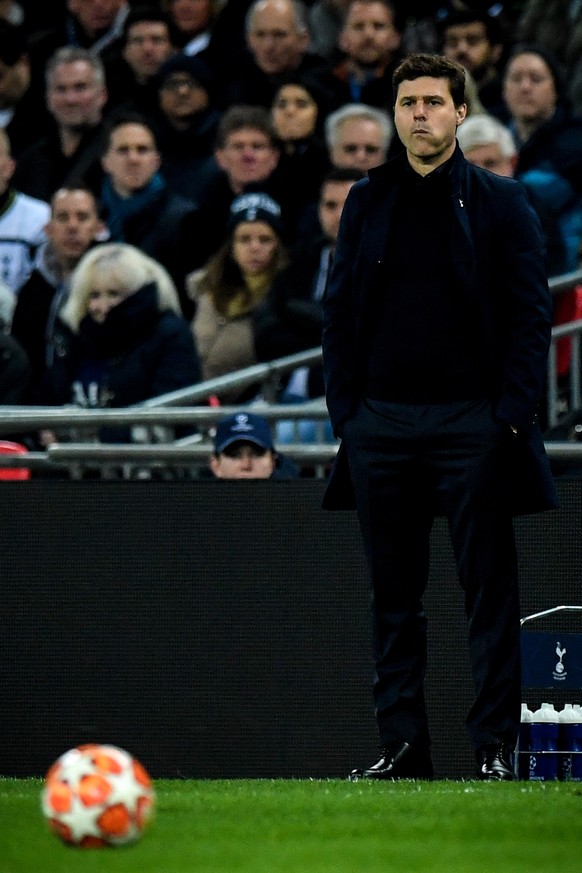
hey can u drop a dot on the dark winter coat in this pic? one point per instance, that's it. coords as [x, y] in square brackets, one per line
[139, 352]
[497, 253]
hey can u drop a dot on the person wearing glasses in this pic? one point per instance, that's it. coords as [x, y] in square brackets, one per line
[187, 121]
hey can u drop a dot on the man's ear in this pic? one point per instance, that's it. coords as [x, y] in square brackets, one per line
[461, 113]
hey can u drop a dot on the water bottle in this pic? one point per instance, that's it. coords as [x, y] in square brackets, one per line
[570, 727]
[523, 743]
[543, 757]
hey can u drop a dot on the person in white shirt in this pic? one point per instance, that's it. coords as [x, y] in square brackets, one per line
[22, 223]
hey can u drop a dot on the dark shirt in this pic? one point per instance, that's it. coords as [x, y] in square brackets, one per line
[424, 348]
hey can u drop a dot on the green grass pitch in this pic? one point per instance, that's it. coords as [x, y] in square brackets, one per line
[302, 826]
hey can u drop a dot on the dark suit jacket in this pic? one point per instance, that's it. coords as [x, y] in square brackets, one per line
[498, 258]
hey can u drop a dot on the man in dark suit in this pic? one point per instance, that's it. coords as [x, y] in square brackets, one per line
[437, 322]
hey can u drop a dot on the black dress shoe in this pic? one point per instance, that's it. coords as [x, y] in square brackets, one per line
[494, 763]
[398, 761]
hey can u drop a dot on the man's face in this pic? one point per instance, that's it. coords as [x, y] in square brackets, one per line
[276, 43]
[243, 460]
[247, 156]
[359, 145]
[468, 45]
[490, 157]
[191, 16]
[181, 97]
[95, 16]
[14, 82]
[426, 120]
[73, 97]
[147, 47]
[331, 202]
[74, 224]
[131, 159]
[529, 90]
[368, 35]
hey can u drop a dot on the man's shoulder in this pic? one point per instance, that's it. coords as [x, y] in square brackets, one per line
[468, 178]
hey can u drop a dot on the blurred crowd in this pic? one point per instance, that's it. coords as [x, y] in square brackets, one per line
[172, 173]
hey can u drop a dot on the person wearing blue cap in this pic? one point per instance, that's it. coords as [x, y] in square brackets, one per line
[243, 449]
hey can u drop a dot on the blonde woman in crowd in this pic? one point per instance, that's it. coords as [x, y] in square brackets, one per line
[121, 338]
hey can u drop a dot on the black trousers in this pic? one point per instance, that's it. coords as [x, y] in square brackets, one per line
[409, 462]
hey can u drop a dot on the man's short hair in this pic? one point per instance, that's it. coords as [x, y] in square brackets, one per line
[456, 18]
[343, 174]
[336, 119]
[483, 130]
[72, 54]
[436, 67]
[147, 12]
[300, 12]
[398, 17]
[72, 186]
[120, 119]
[243, 117]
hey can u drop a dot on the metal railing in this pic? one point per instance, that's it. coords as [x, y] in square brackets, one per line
[157, 419]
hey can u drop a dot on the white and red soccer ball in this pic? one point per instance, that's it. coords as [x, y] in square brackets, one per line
[97, 795]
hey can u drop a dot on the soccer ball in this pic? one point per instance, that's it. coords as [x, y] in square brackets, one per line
[97, 795]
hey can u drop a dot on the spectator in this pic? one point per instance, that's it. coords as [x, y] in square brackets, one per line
[22, 223]
[234, 282]
[487, 143]
[192, 21]
[76, 95]
[358, 136]
[21, 106]
[326, 18]
[298, 113]
[137, 204]
[370, 41]
[246, 155]
[14, 372]
[290, 319]
[123, 338]
[95, 25]
[147, 41]
[549, 141]
[475, 40]
[14, 364]
[187, 123]
[556, 25]
[277, 37]
[73, 227]
[243, 449]
[12, 12]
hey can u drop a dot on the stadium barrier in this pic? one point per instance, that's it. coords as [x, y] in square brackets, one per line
[220, 629]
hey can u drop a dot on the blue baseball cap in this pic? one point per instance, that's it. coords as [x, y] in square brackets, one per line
[243, 427]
